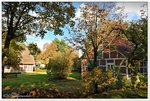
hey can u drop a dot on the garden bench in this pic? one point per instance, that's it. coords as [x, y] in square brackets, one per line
[12, 73]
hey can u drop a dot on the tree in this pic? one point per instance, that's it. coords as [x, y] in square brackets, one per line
[59, 58]
[21, 18]
[14, 57]
[60, 65]
[34, 50]
[96, 26]
[53, 49]
[61, 44]
[136, 33]
[49, 52]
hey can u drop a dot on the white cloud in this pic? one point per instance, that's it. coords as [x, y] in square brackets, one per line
[132, 8]
[78, 12]
[40, 42]
[32, 13]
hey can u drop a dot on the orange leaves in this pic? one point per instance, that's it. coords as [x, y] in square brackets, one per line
[50, 93]
[104, 80]
[49, 51]
[92, 32]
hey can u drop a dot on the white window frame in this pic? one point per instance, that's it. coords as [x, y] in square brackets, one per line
[110, 64]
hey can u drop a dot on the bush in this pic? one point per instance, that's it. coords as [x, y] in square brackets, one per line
[127, 81]
[103, 81]
[134, 81]
[143, 78]
[59, 66]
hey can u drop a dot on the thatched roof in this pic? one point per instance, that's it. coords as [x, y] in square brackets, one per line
[26, 57]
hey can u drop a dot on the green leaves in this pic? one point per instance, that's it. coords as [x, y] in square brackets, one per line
[34, 50]
[59, 66]
[137, 35]
[21, 18]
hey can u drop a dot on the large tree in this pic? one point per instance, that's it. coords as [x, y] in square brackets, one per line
[21, 18]
[53, 49]
[14, 57]
[136, 33]
[48, 52]
[95, 27]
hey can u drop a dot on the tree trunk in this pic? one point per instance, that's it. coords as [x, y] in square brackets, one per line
[5, 51]
[95, 58]
[95, 87]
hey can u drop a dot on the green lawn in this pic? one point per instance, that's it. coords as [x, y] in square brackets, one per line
[75, 75]
[27, 81]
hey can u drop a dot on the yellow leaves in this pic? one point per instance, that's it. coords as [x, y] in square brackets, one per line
[46, 84]
[49, 51]
[7, 88]
[111, 80]
[97, 71]
[33, 85]
[33, 93]
[110, 73]
[22, 85]
[70, 78]
[84, 74]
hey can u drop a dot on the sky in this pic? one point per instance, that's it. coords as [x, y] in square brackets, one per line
[132, 9]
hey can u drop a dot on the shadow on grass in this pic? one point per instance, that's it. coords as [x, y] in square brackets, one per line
[27, 81]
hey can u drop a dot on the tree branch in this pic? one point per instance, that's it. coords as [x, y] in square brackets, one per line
[18, 21]
[105, 37]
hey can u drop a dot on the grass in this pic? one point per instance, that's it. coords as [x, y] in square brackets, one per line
[75, 75]
[27, 81]
[40, 71]
[25, 78]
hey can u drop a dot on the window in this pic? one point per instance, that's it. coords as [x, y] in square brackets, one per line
[25, 66]
[145, 70]
[106, 54]
[145, 63]
[113, 54]
[110, 65]
[102, 62]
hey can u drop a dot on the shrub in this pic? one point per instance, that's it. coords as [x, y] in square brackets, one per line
[127, 81]
[103, 80]
[134, 81]
[59, 66]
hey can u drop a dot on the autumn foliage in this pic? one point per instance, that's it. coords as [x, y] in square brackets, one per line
[59, 58]
[60, 65]
[103, 80]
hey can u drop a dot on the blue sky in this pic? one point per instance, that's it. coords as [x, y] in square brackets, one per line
[132, 10]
